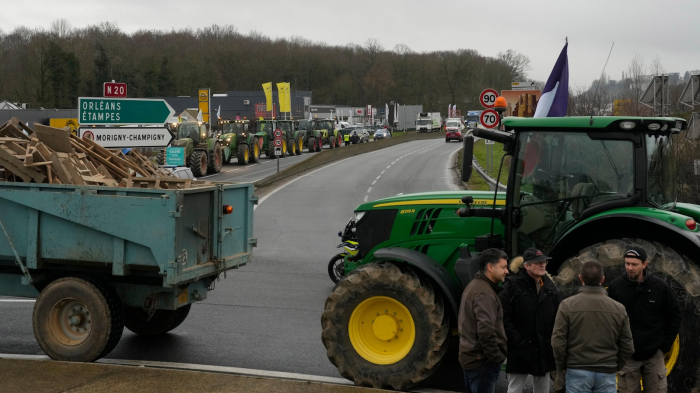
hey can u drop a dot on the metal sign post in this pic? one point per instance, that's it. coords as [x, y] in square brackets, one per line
[278, 146]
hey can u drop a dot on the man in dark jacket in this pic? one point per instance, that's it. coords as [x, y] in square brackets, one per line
[482, 340]
[654, 319]
[530, 303]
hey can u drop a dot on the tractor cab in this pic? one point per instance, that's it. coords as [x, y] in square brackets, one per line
[566, 170]
[266, 126]
[227, 128]
[195, 131]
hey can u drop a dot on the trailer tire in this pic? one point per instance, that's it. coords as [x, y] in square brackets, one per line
[243, 154]
[215, 159]
[160, 158]
[91, 305]
[198, 163]
[405, 292]
[680, 273]
[136, 319]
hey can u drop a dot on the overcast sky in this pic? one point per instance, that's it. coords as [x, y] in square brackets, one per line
[536, 28]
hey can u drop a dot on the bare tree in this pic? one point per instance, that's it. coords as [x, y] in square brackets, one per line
[518, 63]
[656, 67]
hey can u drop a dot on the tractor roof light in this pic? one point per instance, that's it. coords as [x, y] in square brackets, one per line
[654, 126]
[627, 125]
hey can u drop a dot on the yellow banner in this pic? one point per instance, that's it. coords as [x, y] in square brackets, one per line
[204, 104]
[267, 88]
[281, 96]
[288, 95]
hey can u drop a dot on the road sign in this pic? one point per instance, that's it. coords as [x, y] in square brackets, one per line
[278, 151]
[121, 137]
[489, 118]
[488, 98]
[123, 111]
[175, 156]
[112, 89]
[278, 142]
[278, 133]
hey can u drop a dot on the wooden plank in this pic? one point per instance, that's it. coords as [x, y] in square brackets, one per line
[38, 164]
[19, 124]
[72, 171]
[118, 171]
[59, 170]
[19, 165]
[55, 138]
[16, 148]
[10, 167]
[10, 130]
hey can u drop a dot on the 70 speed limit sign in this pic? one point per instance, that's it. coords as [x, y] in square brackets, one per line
[489, 118]
[488, 98]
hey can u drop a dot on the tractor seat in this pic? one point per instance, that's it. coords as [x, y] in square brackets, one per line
[580, 204]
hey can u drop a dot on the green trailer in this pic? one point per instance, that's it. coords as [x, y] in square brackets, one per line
[579, 188]
[99, 259]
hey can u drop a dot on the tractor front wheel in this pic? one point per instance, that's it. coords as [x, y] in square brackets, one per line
[291, 143]
[160, 158]
[255, 151]
[300, 146]
[215, 158]
[311, 145]
[385, 327]
[243, 154]
[680, 273]
[198, 163]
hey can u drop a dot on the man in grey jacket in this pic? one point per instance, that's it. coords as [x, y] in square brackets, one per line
[592, 338]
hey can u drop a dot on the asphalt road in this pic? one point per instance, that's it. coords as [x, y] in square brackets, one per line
[267, 314]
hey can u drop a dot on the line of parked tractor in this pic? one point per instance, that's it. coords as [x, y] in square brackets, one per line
[244, 141]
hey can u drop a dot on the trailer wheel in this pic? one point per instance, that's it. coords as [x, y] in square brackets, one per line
[77, 319]
[384, 327]
[254, 151]
[198, 162]
[136, 319]
[680, 273]
[243, 154]
[215, 159]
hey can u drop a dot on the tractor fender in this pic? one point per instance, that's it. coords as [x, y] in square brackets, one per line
[449, 287]
[601, 228]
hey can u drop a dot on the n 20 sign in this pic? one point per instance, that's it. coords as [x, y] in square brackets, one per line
[488, 98]
[489, 118]
[111, 89]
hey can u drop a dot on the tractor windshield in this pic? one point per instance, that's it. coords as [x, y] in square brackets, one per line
[234, 128]
[561, 174]
[661, 171]
[284, 126]
[264, 127]
[325, 125]
[189, 130]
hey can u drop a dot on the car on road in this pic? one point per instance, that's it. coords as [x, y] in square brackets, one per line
[453, 134]
[382, 133]
[362, 134]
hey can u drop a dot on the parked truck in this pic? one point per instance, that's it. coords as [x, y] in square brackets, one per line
[428, 122]
[99, 259]
[592, 187]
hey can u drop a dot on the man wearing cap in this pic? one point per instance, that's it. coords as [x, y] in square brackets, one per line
[530, 303]
[655, 319]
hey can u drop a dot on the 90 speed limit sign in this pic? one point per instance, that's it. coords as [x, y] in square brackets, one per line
[488, 98]
[489, 118]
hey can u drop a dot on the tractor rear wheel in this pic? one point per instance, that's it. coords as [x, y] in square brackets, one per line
[331, 142]
[319, 145]
[680, 273]
[160, 158]
[198, 163]
[215, 158]
[291, 143]
[385, 327]
[243, 154]
[284, 148]
[78, 319]
[137, 320]
[255, 151]
[311, 145]
[300, 145]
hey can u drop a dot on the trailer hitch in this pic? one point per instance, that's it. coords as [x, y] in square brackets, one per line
[18, 260]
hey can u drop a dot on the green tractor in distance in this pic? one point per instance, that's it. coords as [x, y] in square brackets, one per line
[203, 152]
[330, 136]
[295, 136]
[578, 188]
[313, 140]
[264, 131]
[237, 141]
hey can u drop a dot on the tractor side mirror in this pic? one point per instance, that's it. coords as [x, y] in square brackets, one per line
[467, 156]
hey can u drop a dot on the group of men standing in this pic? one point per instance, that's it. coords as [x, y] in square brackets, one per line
[581, 342]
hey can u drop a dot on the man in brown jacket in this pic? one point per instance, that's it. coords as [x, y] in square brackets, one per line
[592, 338]
[482, 338]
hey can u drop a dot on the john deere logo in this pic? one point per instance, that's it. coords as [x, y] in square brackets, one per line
[203, 96]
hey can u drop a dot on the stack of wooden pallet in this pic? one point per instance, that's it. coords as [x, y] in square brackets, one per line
[51, 155]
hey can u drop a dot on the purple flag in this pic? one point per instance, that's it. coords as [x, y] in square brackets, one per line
[555, 95]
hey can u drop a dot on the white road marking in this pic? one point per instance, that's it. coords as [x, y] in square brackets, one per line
[369, 190]
[383, 172]
[374, 182]
[379, 176]
[366, 196]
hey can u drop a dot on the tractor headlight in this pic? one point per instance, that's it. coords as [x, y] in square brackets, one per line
[228, 139]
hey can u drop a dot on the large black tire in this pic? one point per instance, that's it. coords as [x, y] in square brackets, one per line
[271, 150]
[243, 154]
[215, 159]
[163, 321]
[93, 307]
[311, 144]
[336, 268]
[319, 144]
[160, 158]
[683, 276]
[291, 147]
[255, 151]
[402, 284]
[198, 163]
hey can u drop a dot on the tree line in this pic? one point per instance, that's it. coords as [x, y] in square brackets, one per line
[52, 67]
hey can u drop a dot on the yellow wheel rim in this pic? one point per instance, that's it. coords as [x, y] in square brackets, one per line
[284, 147]
[301, 144]
[246, 155]
[256, 151]
[382, 330]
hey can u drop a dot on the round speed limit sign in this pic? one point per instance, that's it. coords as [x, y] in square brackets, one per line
[489, 118]
[278, 133]
[488, 98]
[278, 142]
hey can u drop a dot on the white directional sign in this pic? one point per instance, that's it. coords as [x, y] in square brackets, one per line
[488, 98]
[122, 137]
[489, 118]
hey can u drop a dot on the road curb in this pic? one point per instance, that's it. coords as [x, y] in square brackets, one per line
[330, 155]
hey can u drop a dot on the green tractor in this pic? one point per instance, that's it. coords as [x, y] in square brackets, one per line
[264, 131]
[295, 136]
[237, 141]
[578, 188]
[329, 135]
[203, 152]
[313, 139]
